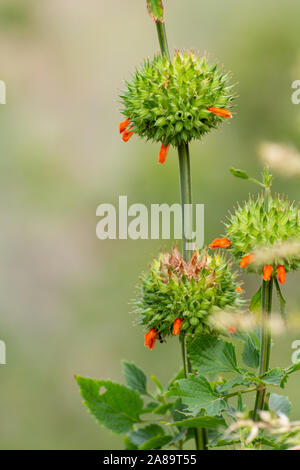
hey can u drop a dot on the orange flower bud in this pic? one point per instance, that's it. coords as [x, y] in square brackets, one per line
[281, 274]
[176, 326]
[268, 269]
[126, 136]
[123, 125]
[163, 153]
[246, 260]
[220, 243]
[239, 289]
[222, 112]
[150, 338]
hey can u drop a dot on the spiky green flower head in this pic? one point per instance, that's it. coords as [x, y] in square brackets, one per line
[253, 226]
[175, 101]
[177, 297]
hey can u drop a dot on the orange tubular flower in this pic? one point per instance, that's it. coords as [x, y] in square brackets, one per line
[222, 112]
[177, 326]
[126, 136]
[220, 243]
[268, 269]
[123, 125]
[163, 153]
[281, 274]
[239, 289]
[150, 338]
[246, 261]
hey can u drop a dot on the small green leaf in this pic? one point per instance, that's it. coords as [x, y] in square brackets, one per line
[156, 10]
[239, 173]
[201, 422]
[179, 375]
[143, 435]
[210, 355]
[156, 442]
[290, 370]
[273, 376]
[279, 404]
[117, 408]
[282, 301]
[235, 382]
[135, 377]
[256, 302]
[157, 383]
[196, 393]
[251, 350]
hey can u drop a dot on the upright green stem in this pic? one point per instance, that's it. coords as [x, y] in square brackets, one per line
[201, 438]
[265, 351]
[186, 197]
[265, 348]
[162, 37]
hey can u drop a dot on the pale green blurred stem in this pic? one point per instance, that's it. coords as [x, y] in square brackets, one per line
[201, 438]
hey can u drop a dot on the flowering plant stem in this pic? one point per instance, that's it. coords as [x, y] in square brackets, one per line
[267, 291]
[265, 339]
[201, 438]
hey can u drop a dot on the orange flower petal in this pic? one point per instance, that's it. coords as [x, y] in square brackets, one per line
[220, 243]
[222, 112]
[150, 338]
[281, 273]
[246, 260]
[126, 136]
[239, 289]
[268, 270]
[163, 153]
[123, 125]
[177, 326]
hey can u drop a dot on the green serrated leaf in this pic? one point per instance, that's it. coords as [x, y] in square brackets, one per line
[201, 422]
[210, 355]
[280, 404]
[117, 407]
[135, 377]
[196, 393]
[239, 173]
[156, 10]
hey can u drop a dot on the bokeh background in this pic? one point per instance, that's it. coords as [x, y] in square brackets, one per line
[64, 295]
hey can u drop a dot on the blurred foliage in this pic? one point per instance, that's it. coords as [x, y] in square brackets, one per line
[64, 294]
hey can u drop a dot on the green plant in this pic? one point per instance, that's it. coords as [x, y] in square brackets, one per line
[175, 100]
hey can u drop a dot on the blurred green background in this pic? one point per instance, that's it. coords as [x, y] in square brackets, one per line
[64, 294]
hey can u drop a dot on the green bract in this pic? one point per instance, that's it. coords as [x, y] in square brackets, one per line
[192, 292]
[167, 101]
[252, 227]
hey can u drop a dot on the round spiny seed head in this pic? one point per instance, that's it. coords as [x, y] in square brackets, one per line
[251, 227]
[191, 292]
[168, 101]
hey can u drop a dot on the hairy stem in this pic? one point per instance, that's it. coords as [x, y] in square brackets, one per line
[264, 360]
